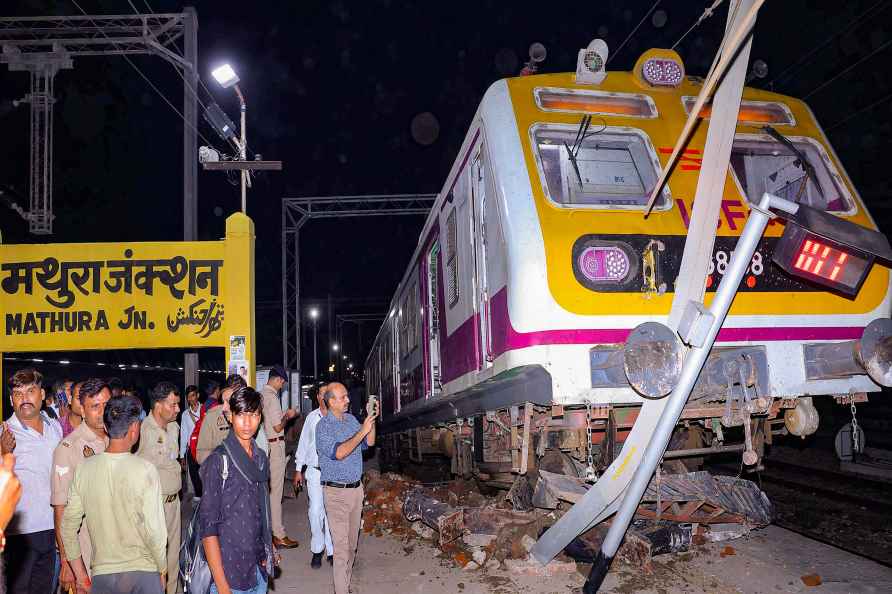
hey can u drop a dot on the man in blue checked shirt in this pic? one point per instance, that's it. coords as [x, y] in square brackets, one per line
[340, 440]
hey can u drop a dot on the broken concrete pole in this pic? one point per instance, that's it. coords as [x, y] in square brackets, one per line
[442, 517]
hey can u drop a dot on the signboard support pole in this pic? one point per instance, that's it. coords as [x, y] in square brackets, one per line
[190, 147]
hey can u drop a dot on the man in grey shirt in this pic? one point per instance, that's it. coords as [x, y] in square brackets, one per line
[340, 440]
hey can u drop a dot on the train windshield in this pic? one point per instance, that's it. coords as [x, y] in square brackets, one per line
[604, 167]
[762, 164]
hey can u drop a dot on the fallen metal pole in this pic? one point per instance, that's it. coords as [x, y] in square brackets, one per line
[693, 364]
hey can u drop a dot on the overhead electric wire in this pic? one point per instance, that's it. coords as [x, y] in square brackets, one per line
[859, 112]
[847, 70]
[806, 58]
[176, 45]
[707, 12]
[630, 35]
[186, 84]
[140, 72]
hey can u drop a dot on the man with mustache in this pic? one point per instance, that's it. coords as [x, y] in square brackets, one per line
[87, 440]
[32, 436]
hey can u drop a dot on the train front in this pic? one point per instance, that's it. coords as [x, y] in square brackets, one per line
[594, 144]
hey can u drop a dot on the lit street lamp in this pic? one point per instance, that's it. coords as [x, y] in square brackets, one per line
[314, 315]
[227, 77]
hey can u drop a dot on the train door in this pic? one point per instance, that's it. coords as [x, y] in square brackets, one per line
[478, 231]
[433, 385]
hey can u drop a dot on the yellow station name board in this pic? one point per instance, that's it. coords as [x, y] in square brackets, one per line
[70, 297]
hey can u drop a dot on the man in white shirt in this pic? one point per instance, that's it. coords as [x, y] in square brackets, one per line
[306, 457]
[32, 436]
[190, 416]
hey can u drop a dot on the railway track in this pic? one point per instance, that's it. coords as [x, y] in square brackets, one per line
[834, 508]
[820, 482]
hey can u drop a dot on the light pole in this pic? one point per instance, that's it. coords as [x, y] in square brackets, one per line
[334, 348]
[226, 77]
[314, 315]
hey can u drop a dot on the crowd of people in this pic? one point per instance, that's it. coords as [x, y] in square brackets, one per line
[101, 478]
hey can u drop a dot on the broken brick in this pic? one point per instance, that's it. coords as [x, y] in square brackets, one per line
[811, 579]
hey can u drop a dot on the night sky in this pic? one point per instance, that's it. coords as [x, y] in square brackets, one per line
[333, 89]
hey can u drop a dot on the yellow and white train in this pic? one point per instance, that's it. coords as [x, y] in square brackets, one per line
[505, 335]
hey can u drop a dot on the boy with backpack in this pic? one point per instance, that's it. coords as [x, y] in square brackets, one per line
[234, 516]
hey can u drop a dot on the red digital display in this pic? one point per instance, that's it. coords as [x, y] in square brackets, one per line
[821, 261]
[822, 248]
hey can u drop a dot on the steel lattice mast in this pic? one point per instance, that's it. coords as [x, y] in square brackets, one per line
[44, 45]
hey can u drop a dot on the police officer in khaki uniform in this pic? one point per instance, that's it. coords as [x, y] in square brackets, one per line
[215, 426]
[87, 439]
[274, 421]
[159, 444]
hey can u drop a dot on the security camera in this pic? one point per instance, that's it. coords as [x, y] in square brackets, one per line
[208, 155]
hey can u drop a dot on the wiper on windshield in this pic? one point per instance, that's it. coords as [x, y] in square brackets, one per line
[573, 151]
[809, 169]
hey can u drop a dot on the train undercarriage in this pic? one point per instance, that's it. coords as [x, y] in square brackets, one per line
[501, 445]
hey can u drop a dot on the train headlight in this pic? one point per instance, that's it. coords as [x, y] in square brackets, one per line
[659, 68]
[662, 73]
[828, 250]
[591, 63]
[604, 264]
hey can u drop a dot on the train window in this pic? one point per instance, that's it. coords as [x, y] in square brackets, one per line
[611, 167]
[409, 320]
[757, 113]
[595, 102]
[452, 290]
[762, 164]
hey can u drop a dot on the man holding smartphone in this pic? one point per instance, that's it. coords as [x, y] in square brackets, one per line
[340, 440]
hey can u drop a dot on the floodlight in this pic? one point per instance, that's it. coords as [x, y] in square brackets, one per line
[225, 76]
[314, 313]
[334, 347]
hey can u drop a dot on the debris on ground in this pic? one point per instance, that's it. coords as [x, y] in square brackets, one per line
[448, 521]
[476, 532]
[644, 540]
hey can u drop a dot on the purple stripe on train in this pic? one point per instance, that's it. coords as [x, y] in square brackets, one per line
[460, 347]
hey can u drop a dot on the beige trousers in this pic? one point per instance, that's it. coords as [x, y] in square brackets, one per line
[343, 508]
[276, 486]
[172, 519]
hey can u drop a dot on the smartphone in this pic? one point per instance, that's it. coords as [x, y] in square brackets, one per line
[371, 406]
